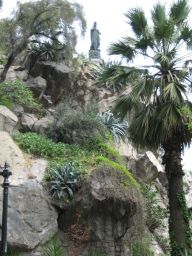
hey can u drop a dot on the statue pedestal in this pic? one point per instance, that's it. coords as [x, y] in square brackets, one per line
[94, 54]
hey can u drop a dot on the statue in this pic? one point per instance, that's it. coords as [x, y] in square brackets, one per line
[95, 37]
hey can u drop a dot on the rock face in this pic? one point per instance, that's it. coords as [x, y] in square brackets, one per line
[104, 209]
[32, 220]
[57, 77]
[11, 154]
[16, 72]
[8, 120]
[41, 124]
[37, 85]
[106, 212]
[188, 186]
[148, 167]
[27, 121]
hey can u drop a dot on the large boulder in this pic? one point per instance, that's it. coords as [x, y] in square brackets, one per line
[11, 154]
[24, 167]
[31, 219]
[103, 212]
[8, 120]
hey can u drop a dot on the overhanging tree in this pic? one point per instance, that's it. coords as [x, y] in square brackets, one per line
[158, 92]
[40, 21]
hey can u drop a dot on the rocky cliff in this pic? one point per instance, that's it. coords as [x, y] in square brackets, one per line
[107, 214]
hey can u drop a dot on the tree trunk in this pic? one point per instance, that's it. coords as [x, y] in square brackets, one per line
[178, 219]
[11, 59]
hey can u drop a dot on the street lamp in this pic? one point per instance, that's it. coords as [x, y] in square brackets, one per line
[5, 173]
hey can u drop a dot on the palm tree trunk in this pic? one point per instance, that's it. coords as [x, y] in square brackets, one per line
[178, 219]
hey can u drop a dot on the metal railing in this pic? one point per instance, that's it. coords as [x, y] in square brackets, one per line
[5, 173]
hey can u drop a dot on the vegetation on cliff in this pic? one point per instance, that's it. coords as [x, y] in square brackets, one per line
[79, 142]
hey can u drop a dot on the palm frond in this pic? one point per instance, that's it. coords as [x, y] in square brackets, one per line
[125, 104]
[123, 49]
[139, 129]
[171, 118]
[186, 32]
[173, 92]
[158, 14]
[163, 28]
[117, 76]
[179, 11]
[144, 43]
[137, 20]
[143, 88]
[186, 35]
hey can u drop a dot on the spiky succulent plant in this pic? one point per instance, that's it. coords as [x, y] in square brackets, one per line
[64, 180]
[115, 125]
[45, 50]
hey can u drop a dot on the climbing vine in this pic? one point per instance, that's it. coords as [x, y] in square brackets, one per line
[187, 217]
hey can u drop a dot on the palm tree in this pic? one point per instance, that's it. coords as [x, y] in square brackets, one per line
[158, 92]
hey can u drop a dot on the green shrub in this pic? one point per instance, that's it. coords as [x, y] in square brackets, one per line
[16, 92]
[130, 180]
[103, 146]
[74, 126]
[56, 153]
[116, 126]
[63, 181]
[39, 145]
[139, 248]
[155, 213]
[60, 153]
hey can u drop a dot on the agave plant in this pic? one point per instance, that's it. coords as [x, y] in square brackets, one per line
[116, 126]
[45, 50]
[63, 182]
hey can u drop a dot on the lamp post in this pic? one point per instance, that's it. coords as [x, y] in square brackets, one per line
[5, 173]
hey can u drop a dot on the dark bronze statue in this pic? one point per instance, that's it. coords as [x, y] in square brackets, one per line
[95, 37]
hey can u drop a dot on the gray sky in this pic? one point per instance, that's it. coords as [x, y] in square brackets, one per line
[111, 22]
